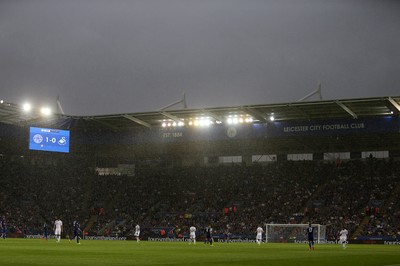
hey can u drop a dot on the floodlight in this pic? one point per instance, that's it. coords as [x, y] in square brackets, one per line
[190, 123]
[204, 122]
[164, 124]
[45, 111]
[181, 124]
[272, 118]
[26, 107]
[1, 101]
[174, 124]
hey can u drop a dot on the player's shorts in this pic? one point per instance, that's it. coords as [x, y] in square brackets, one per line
[57, 232]
[343, 239]
[259, 236]
[137, 233]
[192, 235]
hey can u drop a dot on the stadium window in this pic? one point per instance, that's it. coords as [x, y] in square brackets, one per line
[375, 154]
[263, 158]
[230, 159]
[108, 171]
[333, 156]
[300, 157]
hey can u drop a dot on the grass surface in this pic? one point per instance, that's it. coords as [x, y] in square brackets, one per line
[91, 252]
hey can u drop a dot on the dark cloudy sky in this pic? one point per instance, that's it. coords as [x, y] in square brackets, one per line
[123, 56]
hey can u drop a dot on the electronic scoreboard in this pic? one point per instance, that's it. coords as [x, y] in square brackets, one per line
[48, 139]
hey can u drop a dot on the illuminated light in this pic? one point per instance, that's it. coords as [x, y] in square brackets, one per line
[391, 112]
[169, 124]
[205, 122]
[174, 124]
[181, 124]
[218, 122]
[235, 120]
[26, 107]
[164, 124]
[45, 111]
[196, 123]
[229, 121]
[1, 101]
[272, 118]
[190, 123]
[241, 120]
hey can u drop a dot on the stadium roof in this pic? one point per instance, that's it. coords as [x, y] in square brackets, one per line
[312, 110]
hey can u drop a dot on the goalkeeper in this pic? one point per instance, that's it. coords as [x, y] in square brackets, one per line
[310, 233]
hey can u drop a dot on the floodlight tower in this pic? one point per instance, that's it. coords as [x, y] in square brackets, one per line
[59, 105]
[317, 91]
[183, 101]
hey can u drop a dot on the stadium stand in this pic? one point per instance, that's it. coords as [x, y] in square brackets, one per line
[185, 176]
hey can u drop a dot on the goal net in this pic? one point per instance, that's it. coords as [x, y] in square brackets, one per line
[291, 233]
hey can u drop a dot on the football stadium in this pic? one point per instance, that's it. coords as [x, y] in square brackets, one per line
[297, 183]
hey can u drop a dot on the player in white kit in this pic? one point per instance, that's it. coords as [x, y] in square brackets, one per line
[192, 235]
[259, 231]
[343, 237]
[137, 232]
[58, 228]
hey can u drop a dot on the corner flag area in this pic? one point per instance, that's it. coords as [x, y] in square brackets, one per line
[41, 252]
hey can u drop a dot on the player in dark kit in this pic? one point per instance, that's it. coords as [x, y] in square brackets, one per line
[45, 231]
[310, 233]
[209, 235]
[77, 231]
[3, 228]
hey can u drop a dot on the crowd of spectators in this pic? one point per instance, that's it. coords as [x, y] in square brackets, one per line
[231, 198]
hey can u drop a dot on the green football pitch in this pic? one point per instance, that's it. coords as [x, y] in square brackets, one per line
[91, 252]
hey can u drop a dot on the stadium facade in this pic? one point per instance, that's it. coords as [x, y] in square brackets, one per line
[315, 130]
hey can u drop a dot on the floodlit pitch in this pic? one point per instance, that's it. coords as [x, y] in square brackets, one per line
[91, 252]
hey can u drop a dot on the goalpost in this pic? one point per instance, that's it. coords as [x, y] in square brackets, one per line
[286, 233]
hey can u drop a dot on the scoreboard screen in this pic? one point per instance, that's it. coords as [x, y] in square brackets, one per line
[47, 139]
